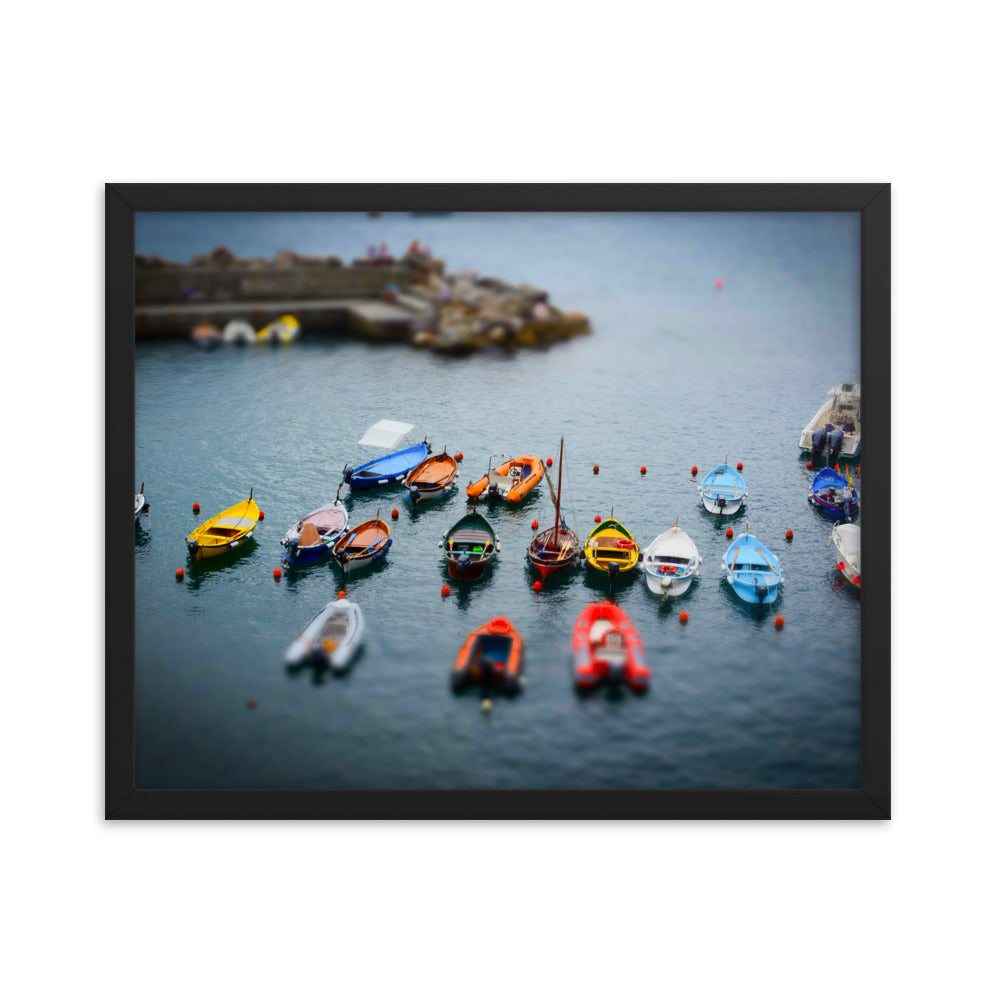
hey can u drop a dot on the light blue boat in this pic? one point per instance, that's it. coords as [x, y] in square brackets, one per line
[723, 490]
[392, 468]
[752, 570]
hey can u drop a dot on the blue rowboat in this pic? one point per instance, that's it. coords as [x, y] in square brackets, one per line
[723, 490]
[752, 570]
[311, 537]
[391, 468]
[832, 494]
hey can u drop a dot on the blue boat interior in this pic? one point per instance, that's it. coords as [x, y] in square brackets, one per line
[392, 465]
[724, 481]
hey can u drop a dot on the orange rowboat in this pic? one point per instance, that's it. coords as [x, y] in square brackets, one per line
[431, 478]
[491, 657]
[367, 543]
[512, 481]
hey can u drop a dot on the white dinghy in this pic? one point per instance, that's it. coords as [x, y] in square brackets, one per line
[670, 562]
[333, 637]
[846, 538]
[140, 502]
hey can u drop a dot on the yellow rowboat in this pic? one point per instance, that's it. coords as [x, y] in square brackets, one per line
[611, 548]
[283, 330]
[224, 532]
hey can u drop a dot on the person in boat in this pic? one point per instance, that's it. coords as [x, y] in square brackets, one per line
[849, 427]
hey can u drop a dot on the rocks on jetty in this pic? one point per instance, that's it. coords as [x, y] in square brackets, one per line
[421, 302]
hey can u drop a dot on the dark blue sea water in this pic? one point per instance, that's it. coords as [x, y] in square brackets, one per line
[675, 373]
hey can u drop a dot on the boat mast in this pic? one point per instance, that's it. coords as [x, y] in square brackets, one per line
[555, 537]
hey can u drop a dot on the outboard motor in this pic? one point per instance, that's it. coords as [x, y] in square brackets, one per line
[192, 546]
[819, 443]
[492, 490]
[760, 589]
[414, 493]
[845, 509]
[720, 502]
[317, 655]
[836, 443]
[464, 562]
[348, 472]
[616, 673]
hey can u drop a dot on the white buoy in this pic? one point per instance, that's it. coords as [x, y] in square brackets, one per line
[486, 707]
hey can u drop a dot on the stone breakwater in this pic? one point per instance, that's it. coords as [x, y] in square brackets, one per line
[412, 298]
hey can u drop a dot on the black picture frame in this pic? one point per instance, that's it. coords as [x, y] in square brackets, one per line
[124, 801]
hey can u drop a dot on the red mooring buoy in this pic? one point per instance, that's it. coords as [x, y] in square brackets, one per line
[548, 461]
[642, 471]
[277, 573]
[739, 466]
[341, 594]
[729, 532]
[779, 622]
[395, 514]
[789, 535]
[597, 469]
[537, 585]
[196, 507]
[718, 282]
[597, 519]
[260, 516]
[459, 457]
[809, 465]
[683, 617]
[694, 470]
[445, 590]
[534, 526]
[179, 573]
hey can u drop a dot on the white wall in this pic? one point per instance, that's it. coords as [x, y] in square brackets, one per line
[629, 91]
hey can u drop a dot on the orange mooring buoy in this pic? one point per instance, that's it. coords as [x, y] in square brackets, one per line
[729, 532]
[694, 470]
[277, 573]
[534, 526]
[395, 514]
[341, 594]
[537, 585]
[445, 590]
[180, 573]
[459, 457]
[643, 470]
[779, 622]
[597, 469]
[789, 535]
[683, 617]
[196, 507]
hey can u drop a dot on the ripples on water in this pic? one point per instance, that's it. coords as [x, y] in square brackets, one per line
[676, 373]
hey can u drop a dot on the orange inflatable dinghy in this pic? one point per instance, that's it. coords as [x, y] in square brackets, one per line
[512, 481]
[491, 656]
[606, 647]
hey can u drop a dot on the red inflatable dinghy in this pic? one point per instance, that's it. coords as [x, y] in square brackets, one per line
[606, 647]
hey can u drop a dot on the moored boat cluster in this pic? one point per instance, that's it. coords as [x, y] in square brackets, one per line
[605, 644]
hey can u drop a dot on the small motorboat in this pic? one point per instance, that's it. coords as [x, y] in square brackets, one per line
[311, 537]
[283, 330]
[512, 480]
[469, 547]
[369, 542]
[723, 490]
[140, 502]
[391, 468]
[606, 647]
[225, 532]
[558, 547]
[490, 657]
[333, 637]
[238, 331]
[670, 563]
[206, 335]
[846, 538]
[431, 478]
[834, 494]
[752, 570]
[611, 548]
[836, 427]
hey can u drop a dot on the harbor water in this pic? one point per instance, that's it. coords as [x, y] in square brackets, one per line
[677, 372]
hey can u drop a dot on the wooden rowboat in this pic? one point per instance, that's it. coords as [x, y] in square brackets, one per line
[369, 542]
[431, 478]
[558, 547]
[611, 548]
[225, 532]
[469, 547]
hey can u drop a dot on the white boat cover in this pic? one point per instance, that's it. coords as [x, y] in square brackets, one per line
[385, 434]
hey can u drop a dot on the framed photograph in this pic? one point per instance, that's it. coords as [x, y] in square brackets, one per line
[497, 501]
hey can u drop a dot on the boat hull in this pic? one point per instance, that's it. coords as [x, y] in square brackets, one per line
[500, 485]
[387, 470]
[202, 552]
[497, 643]
[349, 565]
[745, 589]
[597, 661]
[312, 644]
[668, 586]
[721, 506]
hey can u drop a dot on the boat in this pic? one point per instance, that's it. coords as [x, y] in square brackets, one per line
[206, 335]
[333, 637]
[611, 548]
[836, 427]
[846, 538]
[140, 502]
[431, 477]
[512, 480]
[834, 494]
[607, 647]
[369, 542]
[238, 331]
[225, 532]
[752, 570]
[558, 547]
[491, 657]
[283, 330]
[670, 562]
[311, 536]
[469, 547]
[723, 490]
[391, 468]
